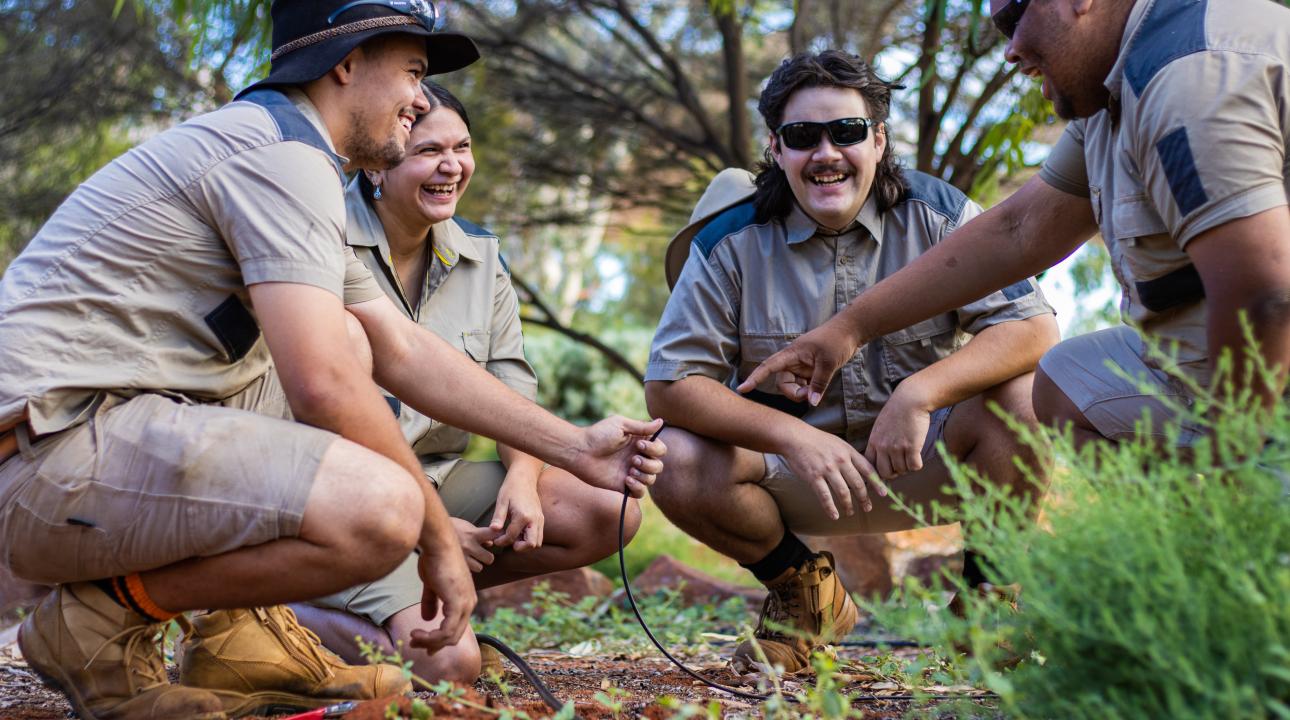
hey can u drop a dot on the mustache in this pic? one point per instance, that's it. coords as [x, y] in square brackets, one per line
[828, 169]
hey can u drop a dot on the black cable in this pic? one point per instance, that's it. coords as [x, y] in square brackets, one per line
[543, 691]
[555, 704]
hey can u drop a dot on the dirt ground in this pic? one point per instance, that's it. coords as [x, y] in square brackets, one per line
[642, 679]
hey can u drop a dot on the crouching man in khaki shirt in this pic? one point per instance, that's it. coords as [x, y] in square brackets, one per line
[830, 215]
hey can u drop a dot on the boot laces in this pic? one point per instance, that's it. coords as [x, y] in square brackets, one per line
[282, 622]
[782, 608]
[140, 655]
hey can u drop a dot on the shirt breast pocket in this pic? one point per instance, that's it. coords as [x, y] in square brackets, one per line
[754, 349]
[1161, 272]
[907, 351]
[476, 344]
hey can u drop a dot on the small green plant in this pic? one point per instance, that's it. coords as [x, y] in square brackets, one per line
[551, 620]
[611, 698]
[1157, 583]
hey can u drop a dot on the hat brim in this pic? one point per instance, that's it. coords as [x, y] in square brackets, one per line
[445, 52]
[678, 248]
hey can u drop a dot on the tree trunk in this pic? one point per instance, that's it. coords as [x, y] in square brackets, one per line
[928, 81]
[732, 51]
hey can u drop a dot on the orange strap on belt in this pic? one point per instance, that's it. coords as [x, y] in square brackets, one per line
[8, 445]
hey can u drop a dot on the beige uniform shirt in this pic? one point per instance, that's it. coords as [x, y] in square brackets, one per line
[1195, 136]
[747, 290]
[467, 300]
[138, 282]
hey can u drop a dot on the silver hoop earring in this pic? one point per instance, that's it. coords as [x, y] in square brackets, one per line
[376, 194]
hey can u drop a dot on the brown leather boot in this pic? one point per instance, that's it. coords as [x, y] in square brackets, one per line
[812, 603]
[263, 660]
[106, 659]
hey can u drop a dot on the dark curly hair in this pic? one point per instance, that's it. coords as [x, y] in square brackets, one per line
[439, 97]
[831, 68]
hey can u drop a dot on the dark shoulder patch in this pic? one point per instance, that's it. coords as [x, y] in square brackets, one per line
[471, 228]
[1173, 29]
[291, 123]
[942, 197]
[474, 230]
[731, 220]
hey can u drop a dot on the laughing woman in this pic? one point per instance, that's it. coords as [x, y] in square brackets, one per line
[516, 518]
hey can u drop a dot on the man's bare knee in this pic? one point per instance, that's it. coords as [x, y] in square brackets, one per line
[1051, 405]
[1014, 398]
[365, 507]
[358, 341]
[685, 453]
[458, 663]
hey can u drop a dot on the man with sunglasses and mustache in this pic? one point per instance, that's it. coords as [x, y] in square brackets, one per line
[149, 464]
[767, 259]
[1177, 154]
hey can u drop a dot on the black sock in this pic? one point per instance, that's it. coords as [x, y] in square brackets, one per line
[790, 553]
[974, 567]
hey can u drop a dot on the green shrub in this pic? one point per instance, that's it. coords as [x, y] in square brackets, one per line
[1156, 584]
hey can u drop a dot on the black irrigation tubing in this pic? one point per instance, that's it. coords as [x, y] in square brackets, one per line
[555, 704]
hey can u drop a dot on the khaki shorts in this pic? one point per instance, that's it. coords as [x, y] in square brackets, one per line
[150, 481]
[469, 492]
[1090, 370]
[803, 513]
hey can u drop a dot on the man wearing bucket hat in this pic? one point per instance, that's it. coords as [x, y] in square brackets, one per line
[142, 470]
[768, 258]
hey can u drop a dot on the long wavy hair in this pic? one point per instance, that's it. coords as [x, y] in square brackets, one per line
[831, 68]
[439, 97]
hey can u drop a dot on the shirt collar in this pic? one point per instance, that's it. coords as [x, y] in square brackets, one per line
[365, 230]
[1115, 80]
[451, 242]
[801, 227]
[306, 108]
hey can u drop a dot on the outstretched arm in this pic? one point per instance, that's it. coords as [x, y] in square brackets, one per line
[463, 395]
[1031, 231]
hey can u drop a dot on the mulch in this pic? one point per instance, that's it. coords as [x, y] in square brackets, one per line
[640, 678]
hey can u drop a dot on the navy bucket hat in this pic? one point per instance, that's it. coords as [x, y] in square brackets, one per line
[310, 37]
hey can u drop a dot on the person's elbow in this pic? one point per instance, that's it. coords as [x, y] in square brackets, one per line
[1268, 306]
[662, 401]
[1045, 331]
[317, 393]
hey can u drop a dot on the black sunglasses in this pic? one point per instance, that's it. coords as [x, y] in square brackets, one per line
[1007, 19]
[423, 10]
[806, 135]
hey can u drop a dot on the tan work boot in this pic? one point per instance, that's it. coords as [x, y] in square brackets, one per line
[106, 659]
[263, 660]
[490, 662]
[812, 602]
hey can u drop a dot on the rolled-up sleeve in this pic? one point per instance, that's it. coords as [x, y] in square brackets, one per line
[1065, 169]
[699, 331]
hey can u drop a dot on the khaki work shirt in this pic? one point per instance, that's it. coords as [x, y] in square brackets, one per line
[138, 282]
[1195, 136]
[747, 290]
[467, 300]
